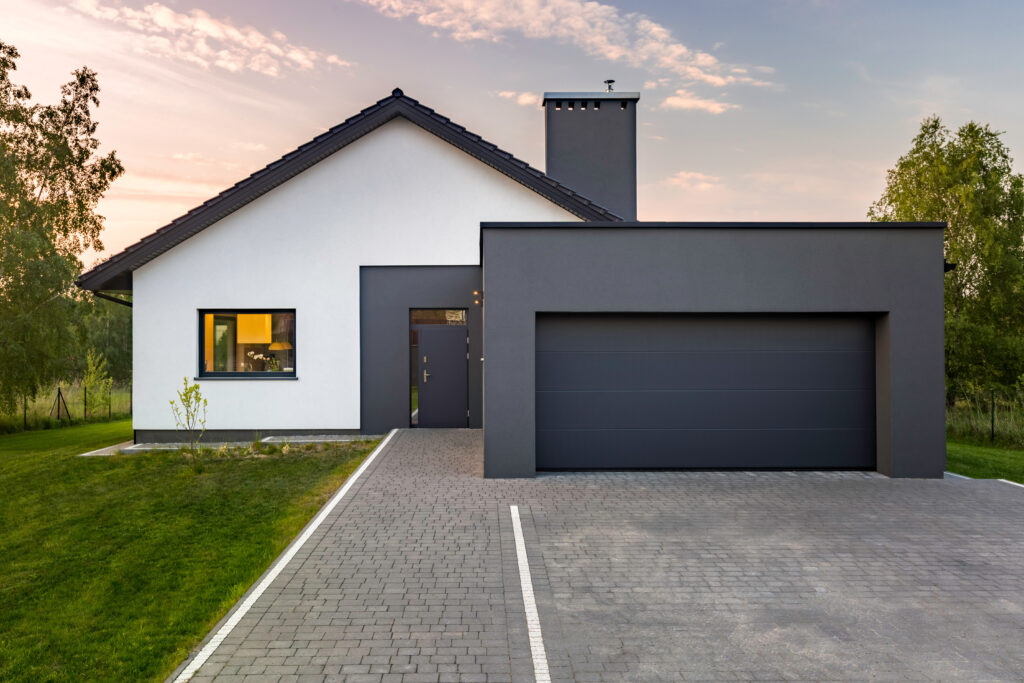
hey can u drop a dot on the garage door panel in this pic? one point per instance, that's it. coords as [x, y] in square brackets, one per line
[724, 370]
[705, 409]
[705, 391]
[705, 449]
[677, 332]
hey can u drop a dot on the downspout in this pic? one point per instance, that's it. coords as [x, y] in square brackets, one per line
[115, 299]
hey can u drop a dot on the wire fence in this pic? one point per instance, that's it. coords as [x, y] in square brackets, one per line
[69, 403]
[995, 417]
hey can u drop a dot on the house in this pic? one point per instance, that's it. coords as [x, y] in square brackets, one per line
[400, 271]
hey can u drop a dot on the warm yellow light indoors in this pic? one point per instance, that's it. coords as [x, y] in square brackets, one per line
[208, 341]
[254, 328]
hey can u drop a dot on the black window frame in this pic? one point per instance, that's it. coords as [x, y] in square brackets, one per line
[201, 348]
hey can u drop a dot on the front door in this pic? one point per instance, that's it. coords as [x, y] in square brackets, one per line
[443, 372]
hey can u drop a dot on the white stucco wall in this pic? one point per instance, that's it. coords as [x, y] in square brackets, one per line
[398, 196]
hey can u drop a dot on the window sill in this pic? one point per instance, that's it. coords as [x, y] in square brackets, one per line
[246, 379]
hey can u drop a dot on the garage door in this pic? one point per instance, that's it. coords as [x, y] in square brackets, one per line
[667, 391]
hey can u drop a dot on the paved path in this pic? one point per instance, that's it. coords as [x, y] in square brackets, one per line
[643, 576]
[107, 450]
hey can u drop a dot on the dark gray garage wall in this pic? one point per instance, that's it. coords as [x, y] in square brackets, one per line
[892, 271]
[386, 293]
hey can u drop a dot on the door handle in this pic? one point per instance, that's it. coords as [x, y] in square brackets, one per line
[425, 376]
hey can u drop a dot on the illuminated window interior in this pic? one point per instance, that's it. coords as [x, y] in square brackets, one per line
[241, 343]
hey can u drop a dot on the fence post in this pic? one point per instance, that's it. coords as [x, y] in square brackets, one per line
[992, 415]
[85, 402]
[24, 411]
[110, 400]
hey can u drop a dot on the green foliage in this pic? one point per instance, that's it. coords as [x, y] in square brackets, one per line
[106, 329]
[966, 178]
[970, 418]
[114, 568]
[190, 417]
[97, 382]
[51, 179]
[39, 414]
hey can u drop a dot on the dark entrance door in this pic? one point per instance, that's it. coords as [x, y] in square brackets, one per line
[443, 386]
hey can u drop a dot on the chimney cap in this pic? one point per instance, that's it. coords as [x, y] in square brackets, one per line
[614, 95]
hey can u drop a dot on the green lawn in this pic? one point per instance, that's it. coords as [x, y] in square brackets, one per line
[113, 568]
[985, 462]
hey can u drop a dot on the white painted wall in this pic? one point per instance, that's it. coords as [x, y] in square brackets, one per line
[398, 196]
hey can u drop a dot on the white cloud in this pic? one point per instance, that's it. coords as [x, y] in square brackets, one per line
[197, 38]
[685, 99]
[523, 99]
[249, 146]
[197, 159]
[694, 180]
[600, 30]
[136, 185]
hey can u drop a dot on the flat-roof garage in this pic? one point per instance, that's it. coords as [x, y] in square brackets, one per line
[721, 345]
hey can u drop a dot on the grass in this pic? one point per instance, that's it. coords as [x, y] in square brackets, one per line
[39, 413]
[985, 462]
[114, 568]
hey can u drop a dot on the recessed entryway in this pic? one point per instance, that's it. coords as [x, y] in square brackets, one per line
[705, 391]
[438, 365]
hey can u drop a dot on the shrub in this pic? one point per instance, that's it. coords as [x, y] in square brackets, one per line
[190, 417]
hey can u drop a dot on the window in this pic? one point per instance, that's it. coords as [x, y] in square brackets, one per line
[247, 343]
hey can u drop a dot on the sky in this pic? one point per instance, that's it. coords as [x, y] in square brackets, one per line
[750, 110]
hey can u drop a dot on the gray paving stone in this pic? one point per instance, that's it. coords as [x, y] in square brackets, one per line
[643, 576]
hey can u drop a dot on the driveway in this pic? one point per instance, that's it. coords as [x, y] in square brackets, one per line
[642, 576]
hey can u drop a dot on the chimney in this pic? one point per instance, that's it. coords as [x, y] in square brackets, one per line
[591, 145]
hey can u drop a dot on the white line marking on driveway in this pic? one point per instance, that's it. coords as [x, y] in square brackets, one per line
[1012, 483]
[211, 646]
[958, 476]
[540, 658]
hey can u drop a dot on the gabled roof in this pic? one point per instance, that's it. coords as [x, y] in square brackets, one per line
[116, 272]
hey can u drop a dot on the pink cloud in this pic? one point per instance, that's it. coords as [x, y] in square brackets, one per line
[685, 99]
[197, 38]
[599, 29]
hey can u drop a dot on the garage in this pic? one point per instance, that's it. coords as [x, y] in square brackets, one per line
[705, 391]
